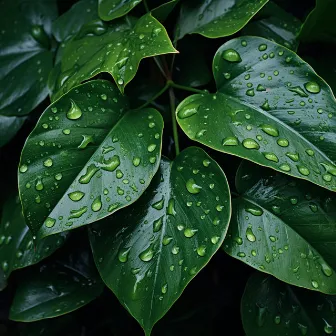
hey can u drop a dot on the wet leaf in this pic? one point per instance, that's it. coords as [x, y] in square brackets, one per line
[284, 227]
[17, 247]
[271, 307]
[9, 126]
[112, 9]
[116, 48]
[216, 18]
[56, 289]
[271, 108]
[162, 12]
[148, 253]
[86, 158]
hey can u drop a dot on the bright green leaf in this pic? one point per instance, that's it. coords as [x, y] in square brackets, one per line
[55, 289]
[270, 307]
[162, 12]
[149, 252]
[112, 9]
[276, 25]
[116, 48]
[9, 126]
[271, 108]
[17, 248]
[86, 158]
[216, 18]
[284, 227]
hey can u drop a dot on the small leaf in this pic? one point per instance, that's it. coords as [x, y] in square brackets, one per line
[116, 48]
[270, 307]
[9, 126]
[56, 289]
[86, 158]
[284, 227]
[216, 18]
[276, 25]
[112, 9]
[17, 248]
[149, 252]
[271, 108]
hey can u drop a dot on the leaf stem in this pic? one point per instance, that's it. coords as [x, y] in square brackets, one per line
[163, 90]
[186, 88]
[146, 6]
[174, 123]
[157, 61]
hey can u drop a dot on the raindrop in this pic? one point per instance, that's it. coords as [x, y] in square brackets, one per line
[312, 87]
[136, 161]
[270, 130]
[255, 211]
[159, 205]
[231, 55]
[283, 142]
[201, 250]
[87, 139]
[23, 168]
[96, 204]
[75, 112]
[76, 196]
[303, 170]
[250, 144]
[250, 235]
[110, 164]
[189, 232]
[157, 224]
[192, 187]
[91, 170]
[123, 254]
[230, 141]
[77, 213]
[147, 255]
[49, 222]
[188, 111]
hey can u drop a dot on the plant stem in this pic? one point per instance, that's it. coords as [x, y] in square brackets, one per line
[163, 90]
[146, 5]
[186, 88]
[157, 61]
[172, 109]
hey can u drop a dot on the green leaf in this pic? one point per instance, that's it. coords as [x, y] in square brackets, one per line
[70, 23]
[276, 25]
[271, 108]
[17, 249]
[216, 18]
[162, 12]
[112, 9]
[284, 227]
[56, 289]
[86, 158]
[9, 126]
[270, 307]
[117, 49]
[149, 252]
[319, 25]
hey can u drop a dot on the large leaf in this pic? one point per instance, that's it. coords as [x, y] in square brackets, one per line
[87, 158]
[55, 289]
[149, 252]
[216, 18]
[284, 227]
[276, 25]
[9, 126]
[116, 48]
[320, 25]
[112, 9]
[17, 249]
[270, 108]
[270, 307]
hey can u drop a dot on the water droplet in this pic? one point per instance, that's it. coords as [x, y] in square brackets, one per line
[270, 130]
[201, 250]
[166, 240]
[206, 163]
[175, 250]
[277, 319]
[262, 47]
[285, 167]
[312, 87]
[5, 266]
[192, 187]
[326, 270]
[261, 316]
[136, 161]
[260, 88]
[231, 55]
[271, 157]
[87, 139]
[298, 90]
[147, 255]
[23, 168]
[123, 254]
[230, 141]
[265, 106]
[303, 170]
[76, 195]
[250, 144]
[96, 204]
[328, 329]
[303, 329]
[188, 111]
[39, 184]
[272, 239]
[75, 112]
[255, 211]
[171, 207]
[157, 224]
[215, 239]
[216, 221]
[110, 164]
[66, 131]
[250, 235]
[189, 232]
[293, 156]
[314, 284]
[283, 142]
[50, 222]
[77, 213]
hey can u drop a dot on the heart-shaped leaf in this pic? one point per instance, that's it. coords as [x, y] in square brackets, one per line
[87, 158]
[271, 108]
[17, 249]
[216, 18]
[276, 25]
[56, 289]
[284, 227]
[112, 9]
[149, 252]
[116, 48]
[9, 126]
[271, 307]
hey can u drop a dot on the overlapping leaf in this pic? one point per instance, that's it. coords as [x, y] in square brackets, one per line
[149, 252]
[284, 227]
[86, 158]
[9, 126]
[112, 9]
[271, 108]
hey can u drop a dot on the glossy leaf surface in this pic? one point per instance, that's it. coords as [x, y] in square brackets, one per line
[216, 18]
[276, 25]
[112, 9]
[271, 307]
[149, 252]
[271, 108]
[87, 158]
[116, 48]
[55, 289]
[284, 227]
[17, 249]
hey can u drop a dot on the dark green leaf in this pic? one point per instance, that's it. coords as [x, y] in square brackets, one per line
[148, 253]
[117, 49]
[112, 9]
[56, 289]
[276, 25]
[270, 307]
[284, 227]
[70, 23]
[271, 108]
[9, 126]
[17, 249]
[216, 18]
[86, 158]
[320, 23]
[162, 12]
